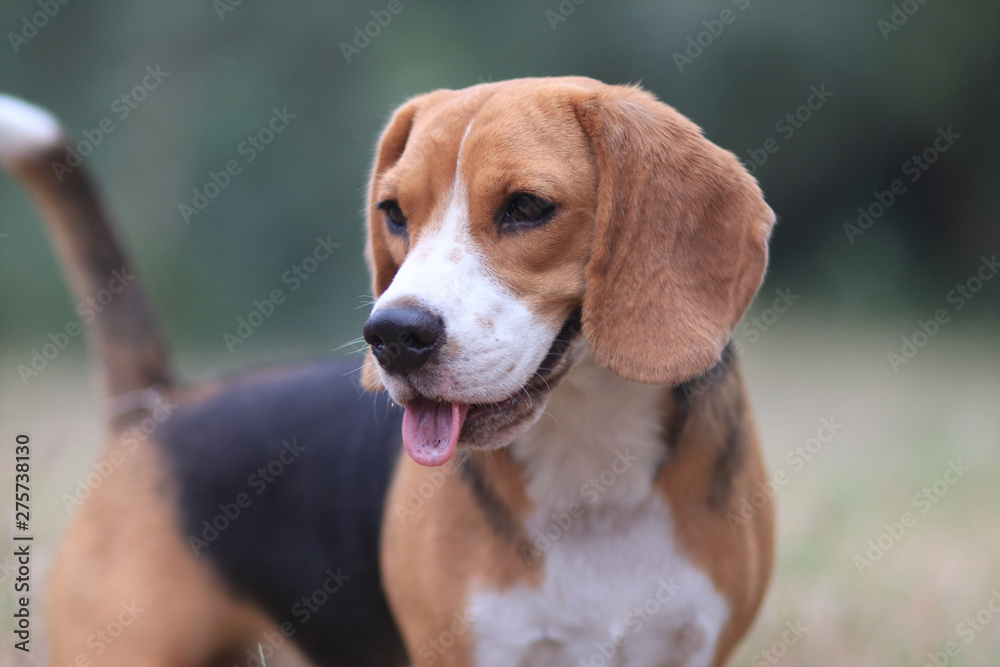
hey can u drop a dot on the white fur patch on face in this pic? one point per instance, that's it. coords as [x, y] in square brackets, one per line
[616, 588]
[493, 343]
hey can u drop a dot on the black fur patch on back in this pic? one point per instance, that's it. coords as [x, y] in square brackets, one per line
[309, 455]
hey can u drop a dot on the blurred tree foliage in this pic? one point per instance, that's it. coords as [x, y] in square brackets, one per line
[736, 67]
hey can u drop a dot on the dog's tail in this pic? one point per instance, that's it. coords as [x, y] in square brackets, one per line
[131, 353]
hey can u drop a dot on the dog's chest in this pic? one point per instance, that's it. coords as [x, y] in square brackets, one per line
[616, 589]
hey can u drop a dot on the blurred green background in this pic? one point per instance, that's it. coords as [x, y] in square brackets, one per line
[897, 74]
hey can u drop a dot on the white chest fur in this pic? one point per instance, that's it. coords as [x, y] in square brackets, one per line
[616, 590]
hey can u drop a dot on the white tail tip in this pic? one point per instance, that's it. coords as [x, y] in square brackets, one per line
[25, 129]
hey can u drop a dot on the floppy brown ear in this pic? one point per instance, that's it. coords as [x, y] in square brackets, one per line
[680, 244]
[390, 147]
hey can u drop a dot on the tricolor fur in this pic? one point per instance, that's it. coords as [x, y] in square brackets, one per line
[578, 362]
[657, 246]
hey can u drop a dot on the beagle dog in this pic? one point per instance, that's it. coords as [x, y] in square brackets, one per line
[558, 266]
[556, 263]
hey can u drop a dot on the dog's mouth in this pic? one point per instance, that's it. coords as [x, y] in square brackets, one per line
[433, 428]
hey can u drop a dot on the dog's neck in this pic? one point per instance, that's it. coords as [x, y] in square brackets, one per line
[602, 441]
[598, 444]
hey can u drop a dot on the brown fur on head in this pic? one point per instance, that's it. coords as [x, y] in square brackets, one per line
[661, 236]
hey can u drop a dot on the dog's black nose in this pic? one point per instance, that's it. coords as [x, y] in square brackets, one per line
[402, 339]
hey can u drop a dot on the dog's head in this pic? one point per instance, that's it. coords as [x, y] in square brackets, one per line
[514, 225]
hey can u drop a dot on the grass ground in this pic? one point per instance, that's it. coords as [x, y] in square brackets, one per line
[893, 435]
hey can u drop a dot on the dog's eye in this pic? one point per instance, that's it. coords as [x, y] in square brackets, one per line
[526, 209]
[394, 217]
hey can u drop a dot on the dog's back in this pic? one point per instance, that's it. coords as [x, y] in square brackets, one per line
[282, 480]
[239, 513]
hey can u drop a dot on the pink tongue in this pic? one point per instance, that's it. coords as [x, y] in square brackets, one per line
[431, 430]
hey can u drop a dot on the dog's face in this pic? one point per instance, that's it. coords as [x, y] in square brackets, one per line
[514, 225]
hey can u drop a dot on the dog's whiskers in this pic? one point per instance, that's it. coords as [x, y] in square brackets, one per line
[356, 341]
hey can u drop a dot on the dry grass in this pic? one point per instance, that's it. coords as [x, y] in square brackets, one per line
[900, 431]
